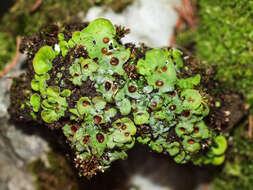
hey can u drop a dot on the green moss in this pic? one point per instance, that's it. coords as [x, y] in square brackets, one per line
[58, 175]
[7, 49]
[224, 39]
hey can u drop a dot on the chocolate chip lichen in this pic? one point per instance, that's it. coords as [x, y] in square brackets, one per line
[106, 96]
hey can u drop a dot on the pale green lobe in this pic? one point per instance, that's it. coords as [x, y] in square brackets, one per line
[189, 82]
[156, 103]
[66, 93]
[75, 71]
[180, 157]
[84, 105]
[220, 145]
[99, 102]
[60, 36]
[42, 61]
[157, 67]
[130, 125]
[110, 113]
[117, 155]
[92, 38]
[81, 70]
[49, 116]
[173, 148]
[184, 128]
[218, 160]
[35, 85]
[53, 91]
[54, 106]
[76, 37]
[190, 144]
[34, 116]
[141, 117]
[124, 106]
[64, 47]
[143, 140]
[35, 102]
[155, 146]
[192, 99]
[92, 66]
[39, 83]
[118, 137]
[100, 25]
[201, 130]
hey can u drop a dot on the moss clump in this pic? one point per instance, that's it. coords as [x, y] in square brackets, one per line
[58, 175]
[7, 49]
[102, 93]
[224, 39]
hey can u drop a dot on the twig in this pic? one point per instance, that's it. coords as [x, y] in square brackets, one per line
[178, 28]
[250, 126]
[35, 6]
[205, 186]
[185, 13]
[14, 60]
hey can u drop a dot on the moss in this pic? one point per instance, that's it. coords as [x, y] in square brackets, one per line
[58, 175]
[7, 49]
[102, 106]
[224, 39]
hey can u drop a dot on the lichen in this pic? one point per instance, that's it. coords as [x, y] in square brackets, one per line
[55, 175]
[102, 106]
